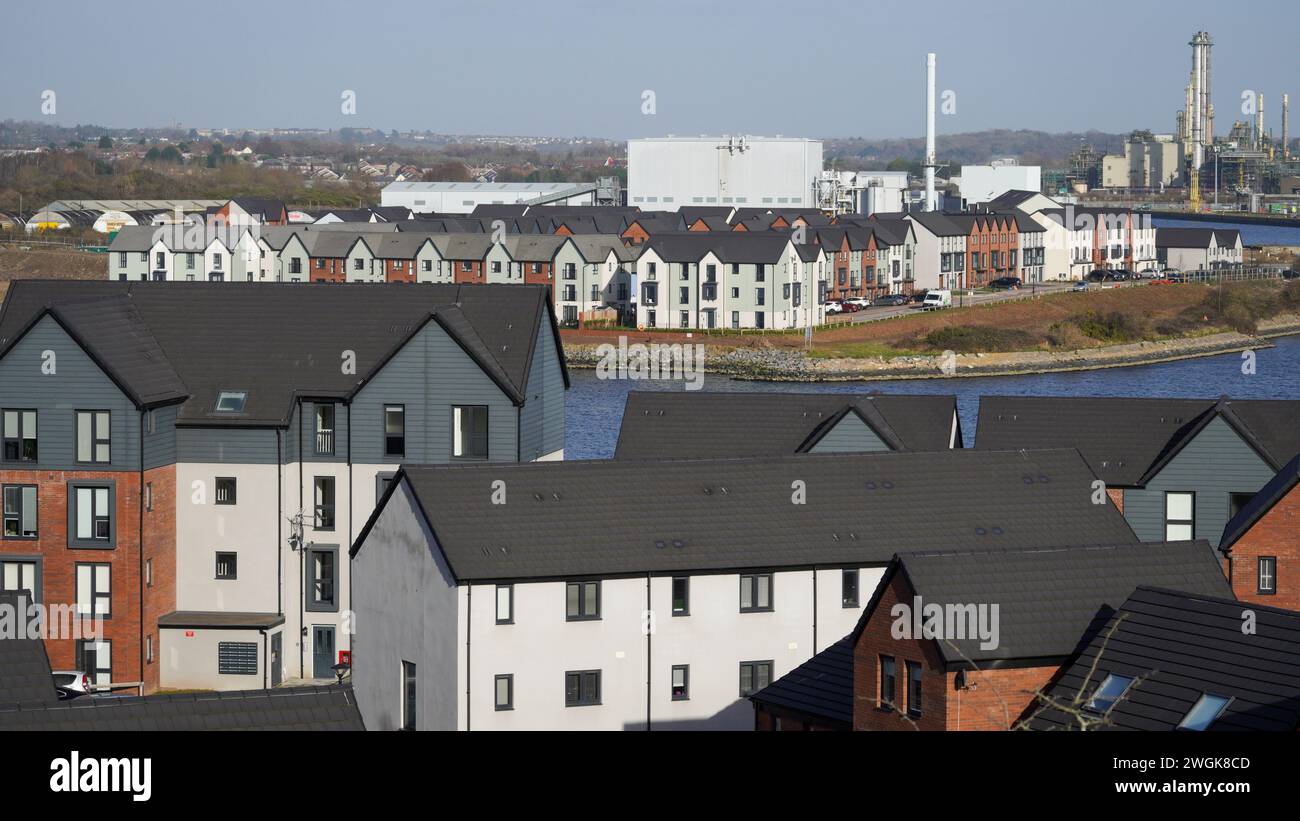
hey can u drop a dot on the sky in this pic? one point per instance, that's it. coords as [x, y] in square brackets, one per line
[583, 67]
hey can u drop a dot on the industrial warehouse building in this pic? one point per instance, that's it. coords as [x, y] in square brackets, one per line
[464, 197]
[667, 173]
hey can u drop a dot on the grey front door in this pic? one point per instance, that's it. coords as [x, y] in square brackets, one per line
[322, 649]
[277, 674]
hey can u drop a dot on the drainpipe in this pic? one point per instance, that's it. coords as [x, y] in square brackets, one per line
[140, 520]
[648, 656]
[814, 613]
[469, 637]
[302, 554]
[279, 523]
[266, 658]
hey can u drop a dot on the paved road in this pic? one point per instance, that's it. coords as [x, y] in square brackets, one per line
[979, 298]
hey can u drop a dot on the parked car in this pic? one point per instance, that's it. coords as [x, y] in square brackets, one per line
[860, 301]
[919, 296]
[850, 307]
[891, 300]
[937, 299]
[1176, 276]
[1291, 275]
[1009, 283]
[71, 684]
[834, 306]
[1081, 285]
[1105, 275]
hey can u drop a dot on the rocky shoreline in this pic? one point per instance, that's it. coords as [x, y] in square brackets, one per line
[785, 365]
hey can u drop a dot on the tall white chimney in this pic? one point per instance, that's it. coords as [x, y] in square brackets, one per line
[930, 202]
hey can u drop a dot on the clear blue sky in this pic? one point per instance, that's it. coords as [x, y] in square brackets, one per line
[579, 67]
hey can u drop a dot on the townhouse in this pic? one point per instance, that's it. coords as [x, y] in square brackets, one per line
[940, 251]
[1033, 249]
[1198, 249]
[699, 424]
[594, 271]
[730, 280]
[1079, 239]
[1261, 544]
[1177, 468]
[178, 253]
[993, 246]
[967, 640]
[1205, 673]
[192, 462]
[493, 599]
[895, 256]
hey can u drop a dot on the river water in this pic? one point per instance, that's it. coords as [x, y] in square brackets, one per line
[594, 407]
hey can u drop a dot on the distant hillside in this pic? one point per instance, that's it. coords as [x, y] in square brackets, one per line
[1030, 147]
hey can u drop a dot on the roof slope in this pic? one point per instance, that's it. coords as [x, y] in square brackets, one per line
[1047, 597]
[1182, 645]
[727, 514]
[171, 341]
[24, 666]
[290, 708]
[1126, 439]
[822, 686]
[662, 424]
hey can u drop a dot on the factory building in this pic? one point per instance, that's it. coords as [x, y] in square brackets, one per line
[666, 173]
[983, 183]
[464, 197]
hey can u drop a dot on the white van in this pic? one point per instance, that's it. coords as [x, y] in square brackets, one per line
[937, 299]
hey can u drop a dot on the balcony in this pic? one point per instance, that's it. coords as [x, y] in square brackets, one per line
[324, 443]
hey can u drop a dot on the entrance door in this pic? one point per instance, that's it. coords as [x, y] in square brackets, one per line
[322, 649]
[277, 674]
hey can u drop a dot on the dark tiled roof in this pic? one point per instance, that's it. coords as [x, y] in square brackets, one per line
[1180, 645]
[1261, 503]
[24, 667]
[729, 246]
[662, 424]
[290, 708]
[1184, 237]
[1048, 597]
[169, 341]
[821, 687]
[726, 514]
[1127, 440]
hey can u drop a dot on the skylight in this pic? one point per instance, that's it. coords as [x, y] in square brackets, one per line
[1110, 691]
[1204, 712]
[231, 401]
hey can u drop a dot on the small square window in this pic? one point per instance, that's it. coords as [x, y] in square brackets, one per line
[681, 682]
[1266, 575]
[849, 588]
[754, 676]
[226, 487]
[681, 596]
[504, 696]
[505, 604]
[227, 566]
[581, 688]
[582, 601]
[231, 401]
[756, 593]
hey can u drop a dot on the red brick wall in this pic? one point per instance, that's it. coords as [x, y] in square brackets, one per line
[1117, 496]
[876, 641]
[404, 274]
[994, 699]
[160, 549]
[1276, 534]
[474, 276]
[334, 269]
[636, 234]
[58, 561]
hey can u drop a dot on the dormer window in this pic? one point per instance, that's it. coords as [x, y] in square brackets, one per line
[231, 401]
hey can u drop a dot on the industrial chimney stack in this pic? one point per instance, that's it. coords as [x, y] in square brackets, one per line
[930, 164]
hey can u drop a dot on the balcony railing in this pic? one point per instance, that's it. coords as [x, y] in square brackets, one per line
[324, 443]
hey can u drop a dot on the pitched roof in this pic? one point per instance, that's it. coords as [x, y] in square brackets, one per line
[728, 246]
[1179, 645]
[1127, 440]
[725, 514]
[1048, 597]
[24, 666]
[822, 686]
[663, 424]
[177, 341]
[289, 708]
[1261, 503]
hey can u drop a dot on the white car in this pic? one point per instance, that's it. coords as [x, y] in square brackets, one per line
[860, 301]
[71, 683]
[834, 307]
[937, 299]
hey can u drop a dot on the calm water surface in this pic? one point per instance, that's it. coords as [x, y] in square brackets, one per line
[594, 407]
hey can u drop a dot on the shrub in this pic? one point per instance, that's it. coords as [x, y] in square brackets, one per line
[1115, 326]
[980, 339]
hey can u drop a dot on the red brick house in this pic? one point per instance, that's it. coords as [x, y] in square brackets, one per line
[1261, 544]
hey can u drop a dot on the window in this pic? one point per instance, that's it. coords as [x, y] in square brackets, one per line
[358, 264]
[382, 481]
[151, 421]
[913, 688]
[226, 487]
[888, 692]
[469, 426]
[20, 435]
[1204, 712]
[582, 601]
[408, 695]
[20, 575]
[231, 401]
[505, 604]
[394, 430]
[681, 682]
[581, 688]
[148, 649]
[148, 573]
[237, 658]
[93, 436]
[1112, 689]
[681, 596]
[1265, 580]
[849, 588]
[323, 579]
[1236, 501]
[189, 262]
[754, 676]
[756, 593]
[325, 430]
[227, 566]
[90, 515]
[324, 493]
[20, 512]
[94, 590]
[95, 658]
[148, 496]
[1180, 516]
[504, 691]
